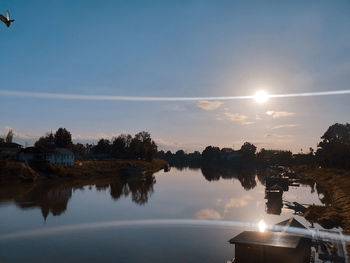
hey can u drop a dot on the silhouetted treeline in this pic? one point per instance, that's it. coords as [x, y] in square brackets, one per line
[125, 146]
[333, 151]
[245, 157]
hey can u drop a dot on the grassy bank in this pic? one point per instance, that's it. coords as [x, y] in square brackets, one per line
[16, 171]
[87, 169]
[104, 168]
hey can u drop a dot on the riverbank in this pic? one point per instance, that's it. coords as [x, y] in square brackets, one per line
[334, 184]
[16, 171]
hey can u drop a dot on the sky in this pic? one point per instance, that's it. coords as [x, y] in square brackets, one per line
[176, 49]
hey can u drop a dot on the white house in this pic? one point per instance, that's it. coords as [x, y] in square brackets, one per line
[60, 156]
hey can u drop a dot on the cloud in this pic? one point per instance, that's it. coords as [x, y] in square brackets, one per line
[235, 116]
[280, 136]
[208, 214]
[237, 203]
[284, 126]
[95, 137]
[279, 114]
[248, 123]
[176, 107]
[209, 105]
[167, 143]
[16, 134]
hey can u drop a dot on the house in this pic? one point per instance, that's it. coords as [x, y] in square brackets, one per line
[59, 156]
[30, 154]
[9, 150]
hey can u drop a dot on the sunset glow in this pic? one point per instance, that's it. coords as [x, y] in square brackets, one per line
[261, 96]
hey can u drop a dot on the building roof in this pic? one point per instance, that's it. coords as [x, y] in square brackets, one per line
[269, 239]
[54, 151]
[291, 222]
[33, 150]
[9, 145]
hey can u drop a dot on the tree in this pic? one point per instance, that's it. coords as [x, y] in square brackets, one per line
[45, 141]
[334, 149]
[103, 147]
[248, 150]
[211, 154]
[121, 145]
[9, 136]
[80, 151]
[63, 138]
[142, 146]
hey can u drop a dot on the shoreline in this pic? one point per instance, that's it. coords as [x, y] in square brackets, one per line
[335, 185]
[17, 171]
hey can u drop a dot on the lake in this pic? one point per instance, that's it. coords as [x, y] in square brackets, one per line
[99, 221]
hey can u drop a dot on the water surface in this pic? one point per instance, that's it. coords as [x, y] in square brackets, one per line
[178, 194]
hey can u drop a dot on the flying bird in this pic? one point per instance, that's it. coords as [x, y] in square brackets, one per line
[6, 19]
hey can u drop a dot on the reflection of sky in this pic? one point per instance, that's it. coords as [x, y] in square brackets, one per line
[177, 195]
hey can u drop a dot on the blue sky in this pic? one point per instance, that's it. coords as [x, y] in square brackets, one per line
[177, 48]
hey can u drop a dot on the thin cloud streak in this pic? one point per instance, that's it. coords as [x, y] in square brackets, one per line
[209, 105]
[284, 126]
[63, 96]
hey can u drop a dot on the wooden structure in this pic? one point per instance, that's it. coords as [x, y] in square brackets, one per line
[272, 247]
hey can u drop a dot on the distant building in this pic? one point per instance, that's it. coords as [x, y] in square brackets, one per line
[59, 156]
[29, 154]
[9, 150]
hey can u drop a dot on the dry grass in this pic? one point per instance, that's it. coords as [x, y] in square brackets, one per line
[103, 168]
[88, 169]
[16, 171]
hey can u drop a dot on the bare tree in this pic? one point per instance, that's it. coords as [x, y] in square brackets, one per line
[9, 136]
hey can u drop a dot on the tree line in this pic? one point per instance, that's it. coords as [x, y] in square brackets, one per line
[141, 146]
[333, 151]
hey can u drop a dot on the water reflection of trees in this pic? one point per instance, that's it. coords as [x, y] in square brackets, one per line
[245, 176]
[139, 188]
[53, 196]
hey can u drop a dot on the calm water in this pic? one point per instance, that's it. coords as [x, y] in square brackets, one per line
[186, 194]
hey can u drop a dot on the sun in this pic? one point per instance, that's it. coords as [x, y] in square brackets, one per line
[261, 226]
[261, 96]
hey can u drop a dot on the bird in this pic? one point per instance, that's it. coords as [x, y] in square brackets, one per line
[6, 19]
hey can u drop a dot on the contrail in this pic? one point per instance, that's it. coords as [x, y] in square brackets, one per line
[312, 233]
[64, 96]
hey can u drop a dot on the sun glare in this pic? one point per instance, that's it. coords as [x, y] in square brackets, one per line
[261, 96]
[262, 226]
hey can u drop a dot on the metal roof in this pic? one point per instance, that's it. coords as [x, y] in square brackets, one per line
[269, 239]
[291, 222]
